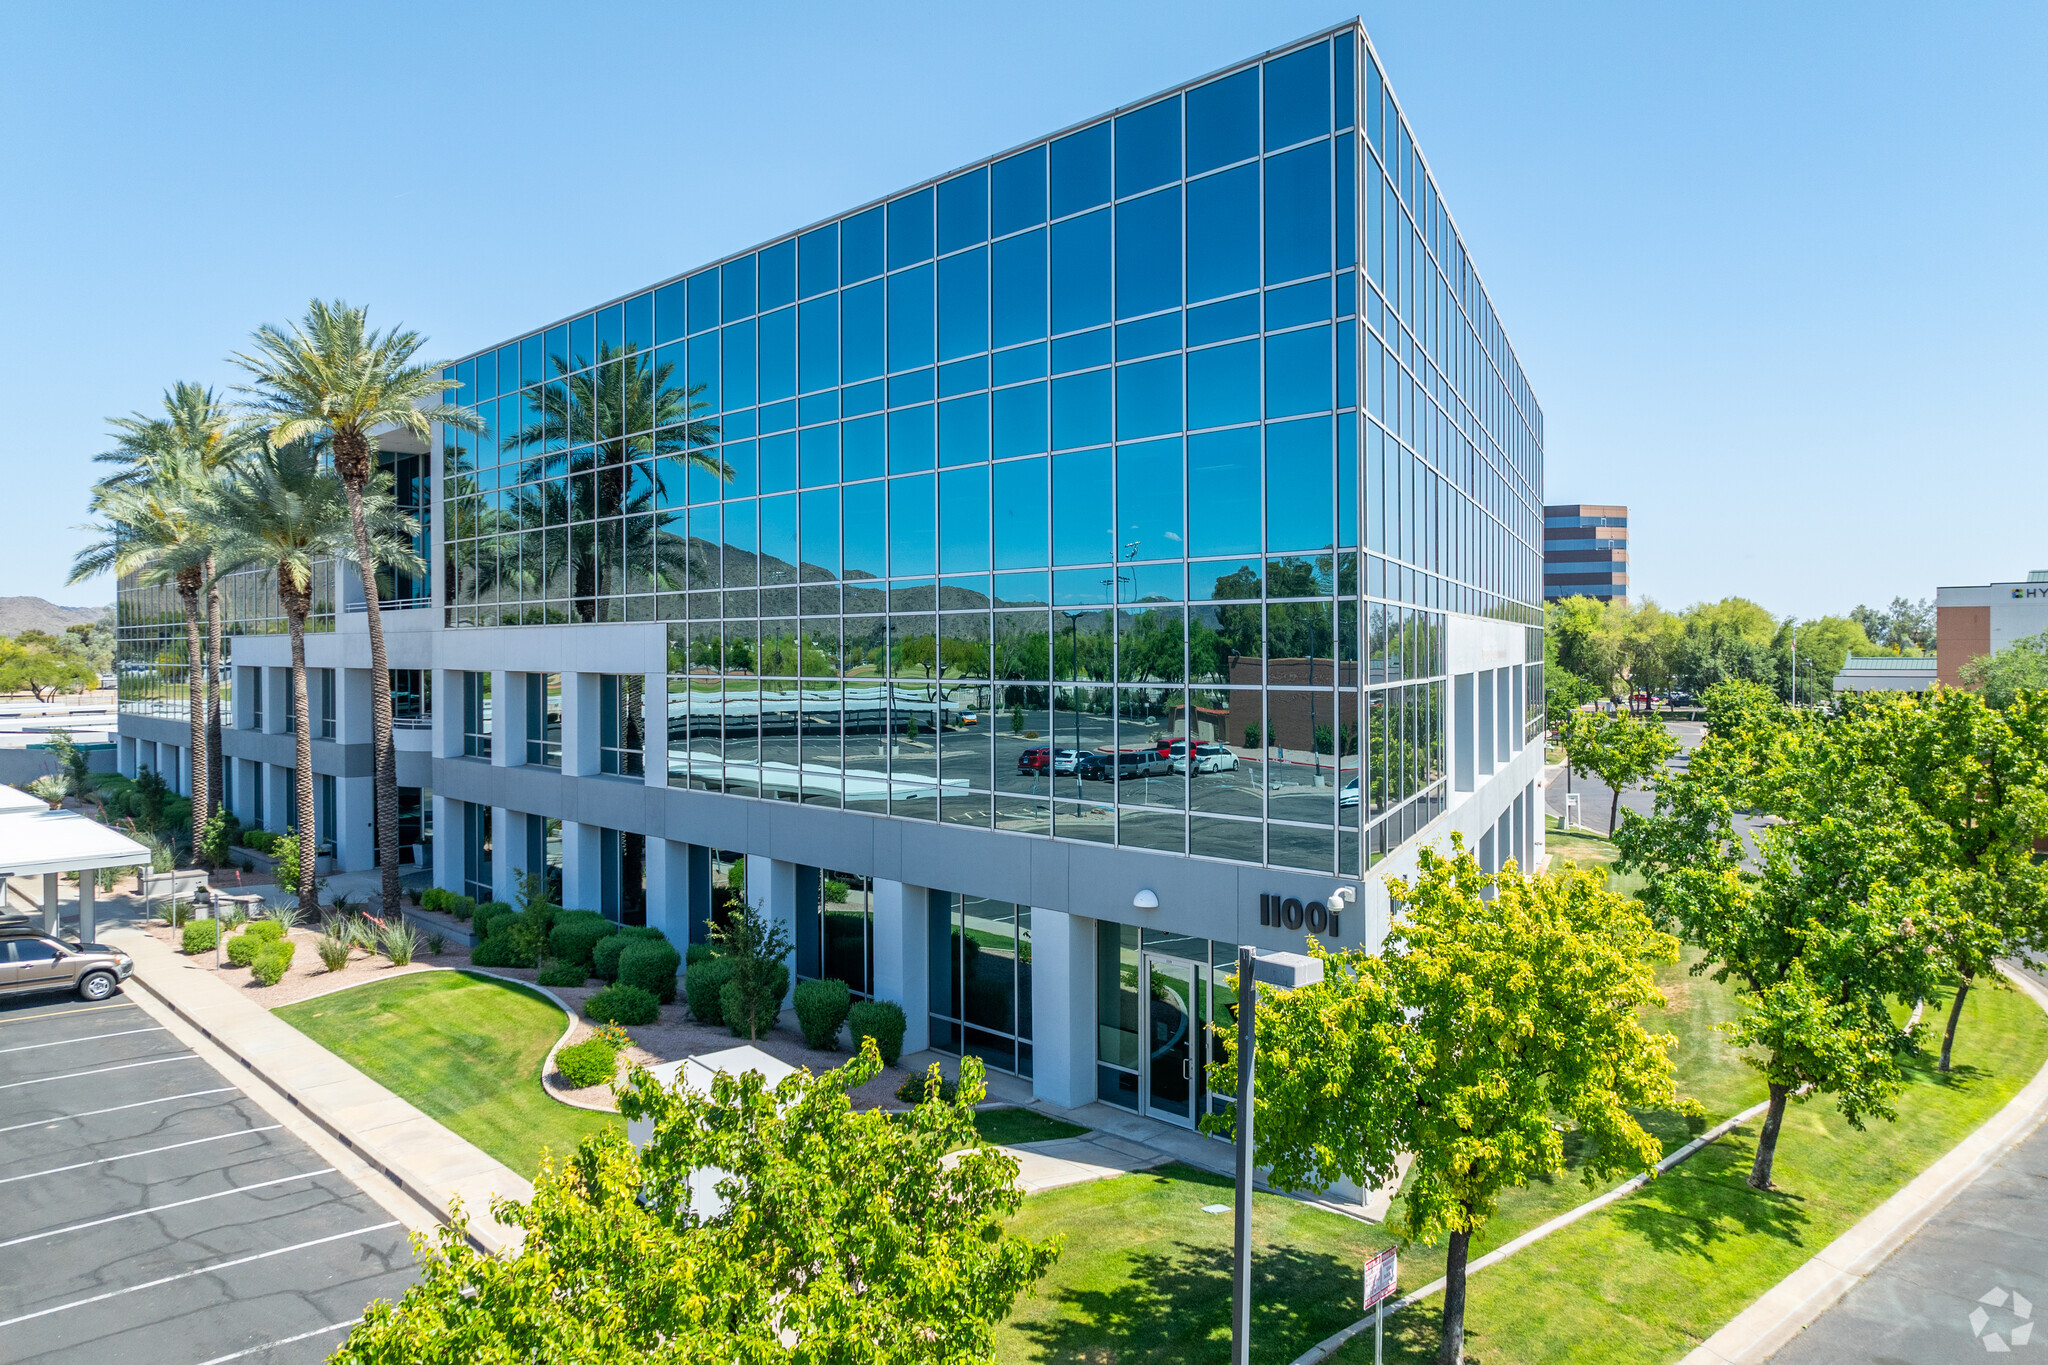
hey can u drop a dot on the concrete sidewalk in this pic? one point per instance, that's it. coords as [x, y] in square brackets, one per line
[422, 1156]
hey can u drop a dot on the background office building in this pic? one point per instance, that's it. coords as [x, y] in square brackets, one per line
[1048, 579]
[1585, 552]
[1984, 618]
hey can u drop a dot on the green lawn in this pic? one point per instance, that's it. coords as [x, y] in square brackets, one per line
[466, 1049]
[1022, 1125]
[1588, 850]
[1145, 1276]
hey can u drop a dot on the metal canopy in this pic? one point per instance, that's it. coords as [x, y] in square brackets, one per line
[14, 799]
[46, 841]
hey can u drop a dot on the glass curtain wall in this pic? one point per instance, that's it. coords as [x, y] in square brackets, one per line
[981, 979]
[1169, 440]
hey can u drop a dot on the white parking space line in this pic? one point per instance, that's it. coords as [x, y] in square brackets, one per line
[147, 1151]
[281, 1341]
[59, 1014]
[189, 1274]
[139, 1104]
[103, 1070]
[160, 1208]
[90, 1038]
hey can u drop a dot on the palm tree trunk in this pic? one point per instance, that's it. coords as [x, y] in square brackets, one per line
[195, 691]
[1452, 1349]
[1767, 1141]
[215, 759]
[353, 462]
[295, 607]
[1955, 1014]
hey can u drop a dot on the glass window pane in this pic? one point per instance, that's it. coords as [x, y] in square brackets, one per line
[910, 319]
[1223, 484]
[1080, 170]
[1020, 421]
[1298, 372]
[963, 430]
[1018, 503]
[1223, 121]
[863, 448]
[963, 211]
[1223, 233]
[736, 285]
[1017, 192]
[910, 527]
[1080, 273]
[1148, 147]
[817, 260]
[866, 534]
[1148, 254]
[1298, 96]
[1019, 289]
[860, 246]
[1080, 410]
[862, 330]
[778, 276]
[820, 534]
[963, 304]
[778, 355]
[818, 362]
[963, 520]
[1149, 502]
[703, 300]
[1223, 385]
[739, 365]
[1300, 471]
[818, 456]
[910, 439]
[703, 370]
[910, 229]
[1148, 398]
[1298, 223]
[1082, 532]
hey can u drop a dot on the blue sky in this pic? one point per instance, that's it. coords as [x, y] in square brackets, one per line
[1775, 272]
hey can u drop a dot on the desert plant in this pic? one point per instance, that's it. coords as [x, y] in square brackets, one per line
[703, 984]
[51, 788]
[333, 951]
[881, 1020]
[437, 944]
[821, 1008]
[398, 941]
[622, 1004]
[202, 935]
[412, 893]
[287, 917]
[273, 962]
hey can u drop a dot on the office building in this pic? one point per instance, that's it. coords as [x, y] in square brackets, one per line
[1585, 552]
[1984, 618]
[1047, 578]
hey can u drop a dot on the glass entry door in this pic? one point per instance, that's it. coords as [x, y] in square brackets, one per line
[1176, 996]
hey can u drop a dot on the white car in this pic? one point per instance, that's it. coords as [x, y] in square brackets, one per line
[1349, 796]
[1064, 762]
[1208, 758]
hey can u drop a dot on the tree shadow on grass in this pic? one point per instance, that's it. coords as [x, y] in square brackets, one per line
[1706, 1202]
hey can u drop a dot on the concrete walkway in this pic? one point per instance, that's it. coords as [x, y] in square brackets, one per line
[1903, 1286]
[422, 1156]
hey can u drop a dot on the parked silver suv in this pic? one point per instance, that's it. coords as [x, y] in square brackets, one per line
[31, 960]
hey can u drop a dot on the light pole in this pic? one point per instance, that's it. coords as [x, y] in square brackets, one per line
[1247, 1167]
[1073, 691]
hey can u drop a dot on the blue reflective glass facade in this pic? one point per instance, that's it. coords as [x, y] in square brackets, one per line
[1114, 489]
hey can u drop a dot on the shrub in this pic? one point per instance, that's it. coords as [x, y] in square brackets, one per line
[767, 1005]
[267, 929]
[881, 1020]
[463, 908]
[412, 893]
[835, 891]
[242, 948]
[622, 1004]
[272, 963]
[651, 964]
[430, 899]
[491, 916]
[437, 944]
[202, 935]
[333, 950]
[918, 1090]
[604, 957]
[562, 972]
[398, 941]
[286, 851]
[702, 984]
[262, 840]
[594, 1061]
[699, 952]
[493, 952]
[575, 933]
[821, 1008]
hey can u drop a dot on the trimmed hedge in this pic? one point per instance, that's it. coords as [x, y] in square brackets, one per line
[492, 916]
[594, 1061]
[699, 952]
[272, 963]
[262, 840]
[604, 956]
[770, 1010]
[202, 935]
[575, 933]
[242, 949]
[651, 964]
[497, 952]
[560, 973]
[268, 930]
[622, 1004]
[702, 983]
[881, 1020]
[821, 1007]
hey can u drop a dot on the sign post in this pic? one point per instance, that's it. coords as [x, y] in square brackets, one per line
[1241, 1267]
[1382, 1273]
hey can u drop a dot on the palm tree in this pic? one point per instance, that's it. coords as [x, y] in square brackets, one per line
[334, 379]
[155, 528]
[284, 510]
[200, 429]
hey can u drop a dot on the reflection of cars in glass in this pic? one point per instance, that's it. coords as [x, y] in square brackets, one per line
[1349, 796]
[1035, 760]
[1208, 758]
[1064, 761]
[1100, 767]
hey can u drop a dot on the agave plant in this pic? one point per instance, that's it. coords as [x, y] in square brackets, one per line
[333, 951]
[398, 941]
[289, 916]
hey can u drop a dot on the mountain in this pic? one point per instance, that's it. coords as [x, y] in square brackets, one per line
[18, 614]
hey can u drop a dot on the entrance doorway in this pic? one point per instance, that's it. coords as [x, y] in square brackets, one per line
[1176, 1030]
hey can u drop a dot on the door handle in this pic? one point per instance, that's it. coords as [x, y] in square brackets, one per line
[1187, 1068]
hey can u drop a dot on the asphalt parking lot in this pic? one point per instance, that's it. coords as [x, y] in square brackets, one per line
[152, 1213]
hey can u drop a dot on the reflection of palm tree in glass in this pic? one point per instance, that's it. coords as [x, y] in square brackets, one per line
[627, 406]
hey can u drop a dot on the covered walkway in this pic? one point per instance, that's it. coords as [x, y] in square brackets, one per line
[38, 841]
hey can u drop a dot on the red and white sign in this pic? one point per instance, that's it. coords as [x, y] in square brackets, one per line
[1382, 1273]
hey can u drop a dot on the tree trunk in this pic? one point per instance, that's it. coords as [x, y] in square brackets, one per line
[1452, 1351]
[295, 608]
[353, 461]
[1955, 1014]
[1767, 1141]
[216, 783]
[1613, 812]
[195, 692]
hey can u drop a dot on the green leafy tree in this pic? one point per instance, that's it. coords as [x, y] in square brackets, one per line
[1821, 644]
[1817, 931]
[1502, 1010]
[757, 946]
[283, 511]
[41, 670]
[842, 1234]
[1620, 749]
[2021, 666]
[334, 379]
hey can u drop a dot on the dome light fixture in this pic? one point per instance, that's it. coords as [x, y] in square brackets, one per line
[1145, 900]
